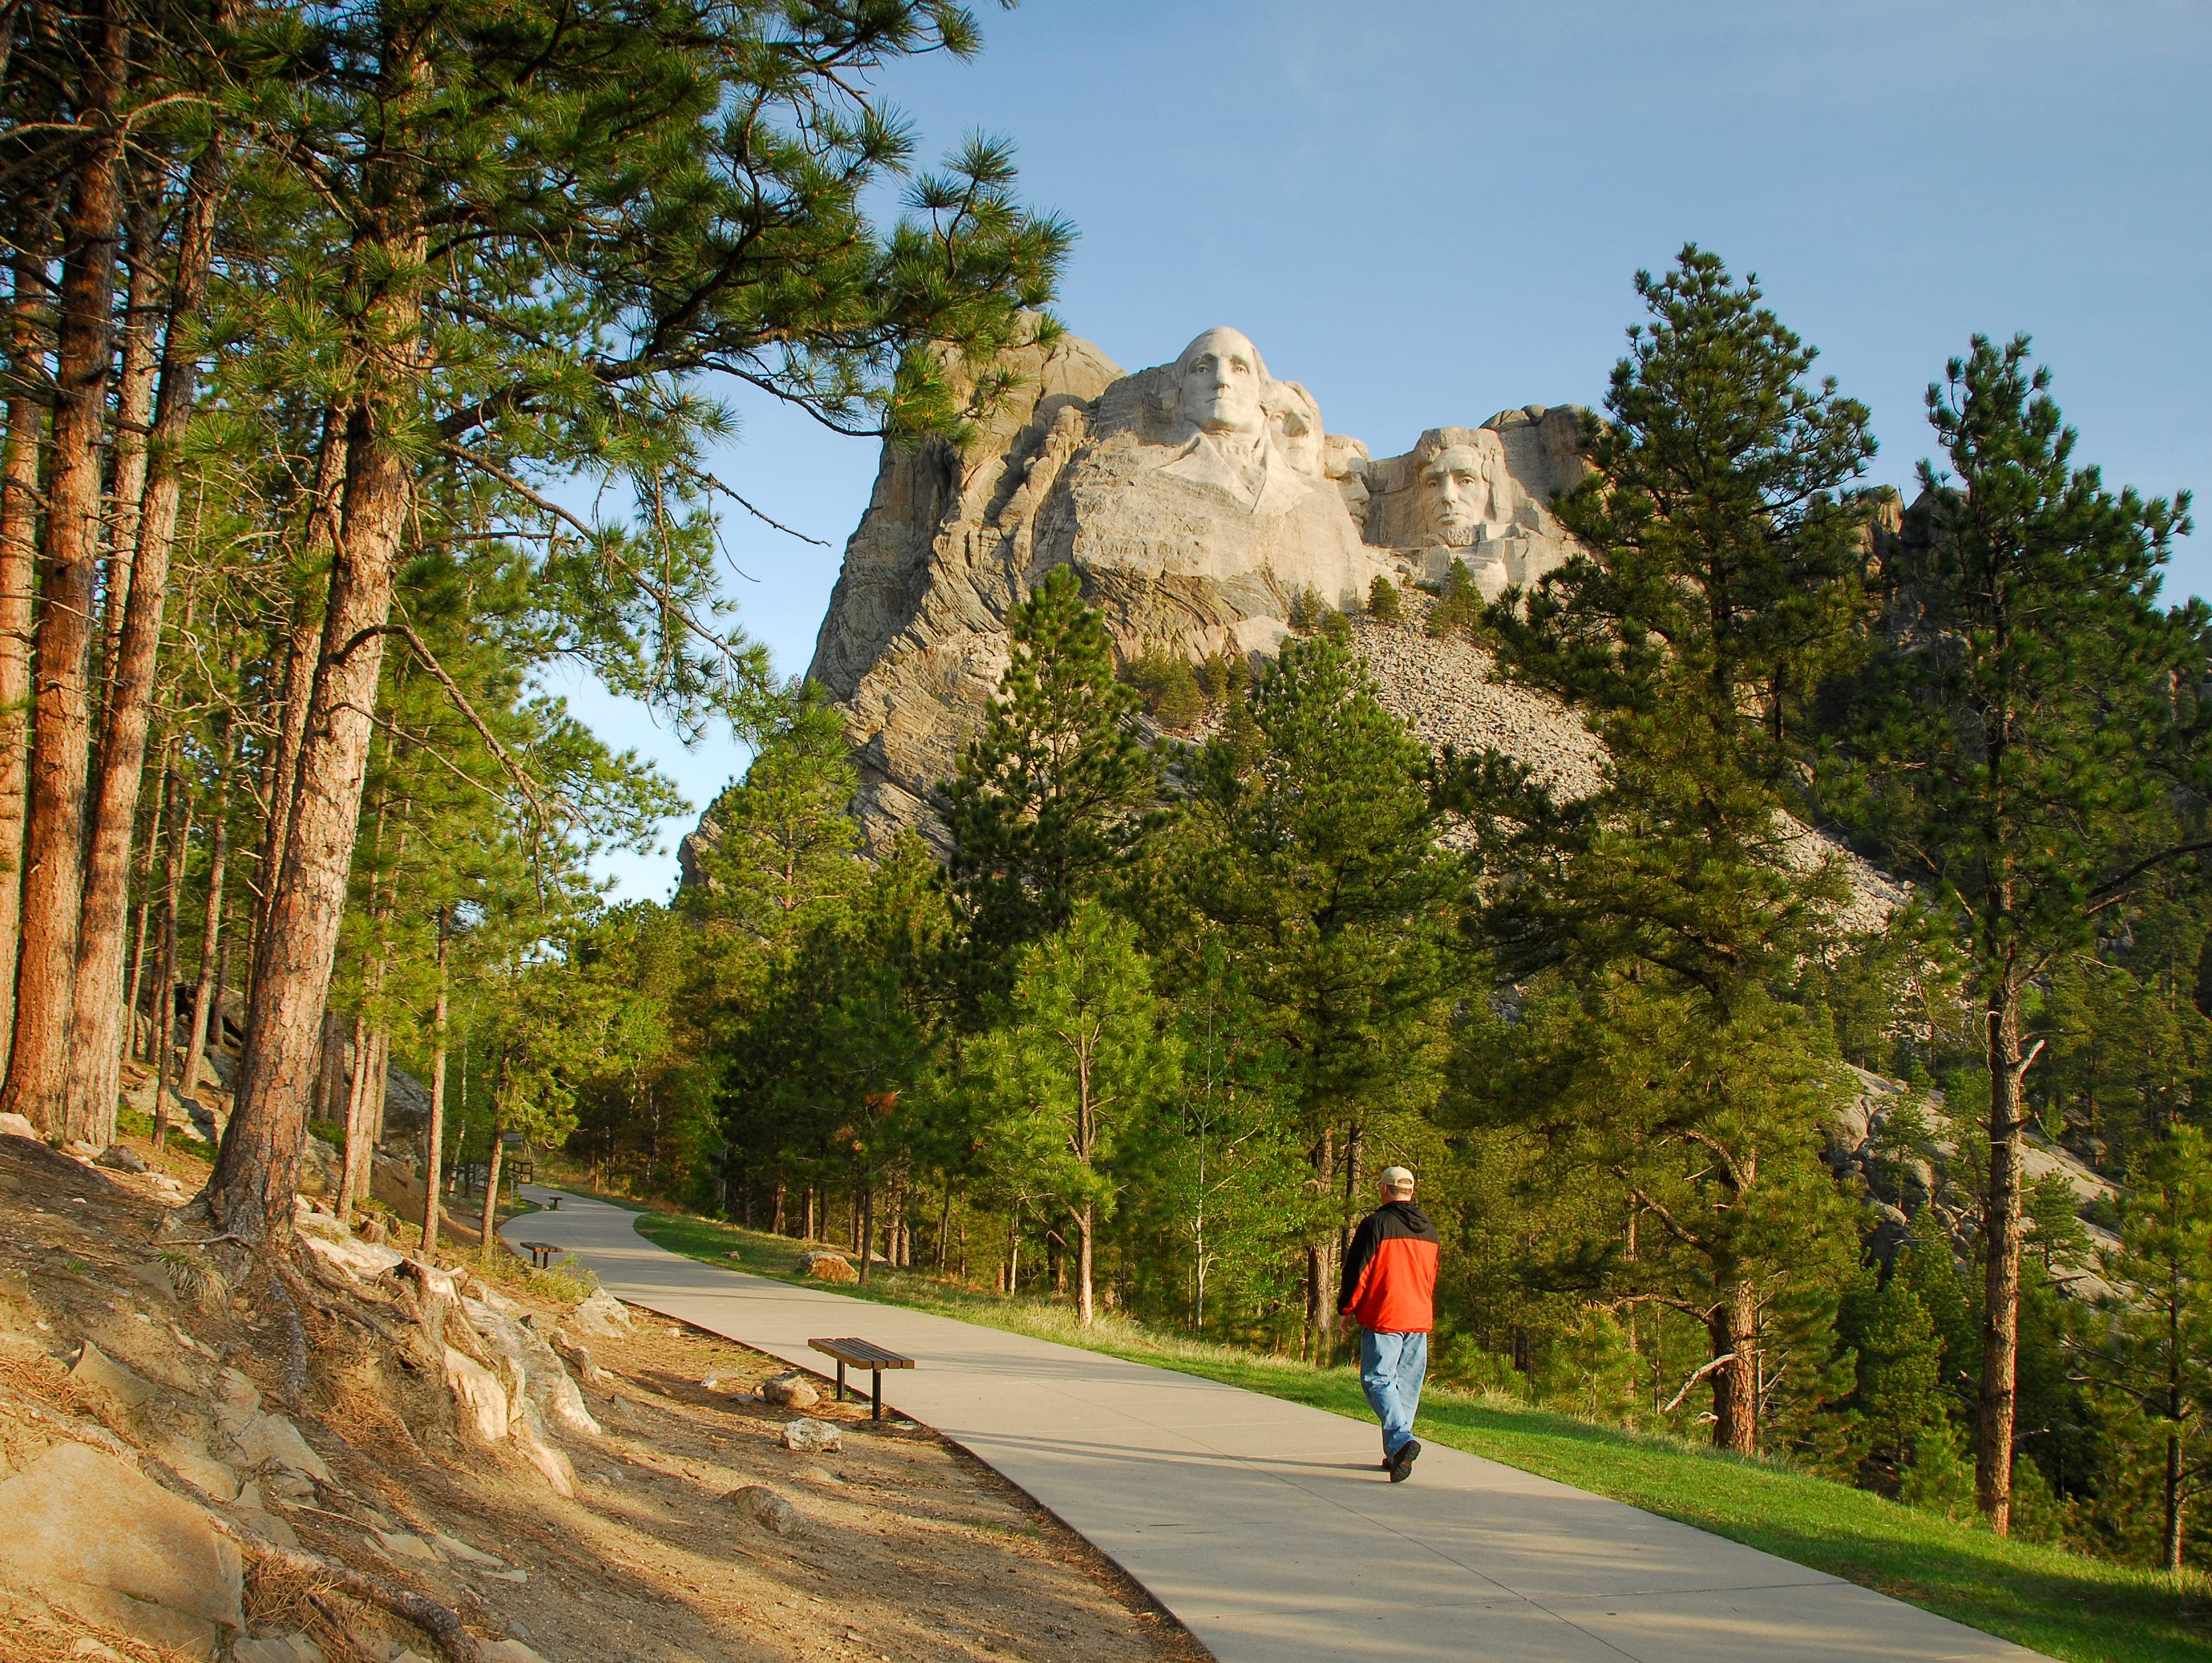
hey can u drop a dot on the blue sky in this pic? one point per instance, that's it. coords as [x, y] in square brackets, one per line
[1429, 210]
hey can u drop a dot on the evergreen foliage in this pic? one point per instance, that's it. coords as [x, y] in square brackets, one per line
[1047, 794]
[2030, 744]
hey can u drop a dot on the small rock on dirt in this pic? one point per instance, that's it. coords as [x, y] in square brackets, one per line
[808, 1435]
[94, 1366]
[603, 1316]
[768, 1509]
[405, 1545]
[19, 1125]
[269, 1437]
[119, 1159]
[828, 1267]
[790, 1391]
[290, 1648]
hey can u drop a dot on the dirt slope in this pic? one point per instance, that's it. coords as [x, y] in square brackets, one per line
[202, 1368]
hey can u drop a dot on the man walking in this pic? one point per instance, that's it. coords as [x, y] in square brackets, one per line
[1389, 1290]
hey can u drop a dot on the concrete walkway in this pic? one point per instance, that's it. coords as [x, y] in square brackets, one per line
[1266, 1526]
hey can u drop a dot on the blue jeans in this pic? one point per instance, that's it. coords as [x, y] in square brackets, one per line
[1391, 1368]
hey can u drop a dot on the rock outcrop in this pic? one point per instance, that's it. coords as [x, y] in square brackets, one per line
[1198, 501]
[1204, 506]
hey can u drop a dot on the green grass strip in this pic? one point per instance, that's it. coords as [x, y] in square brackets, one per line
[2069, 1605]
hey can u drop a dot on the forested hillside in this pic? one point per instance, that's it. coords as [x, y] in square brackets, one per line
[1218, 942]
[362, 365]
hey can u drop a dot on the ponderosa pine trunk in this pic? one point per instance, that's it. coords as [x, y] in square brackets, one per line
[134, 997]
[380, 1094]
[2002, 1209]
[69, 558]
[1320, 1262]
[301, 641]
[179, 817]
[490, 1222]
[434, 1149]
[356, 1099]
[97, 1019]
[1733, 1328]
[1087, 1230]
[250, 1192]
[207, 990]
[19, 555]
[134, 414]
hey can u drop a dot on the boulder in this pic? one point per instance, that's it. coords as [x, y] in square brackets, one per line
[269, 1439]
[18, 1125]
[534, 1364]
[808, 1436]
[528, 1432]
[94, 1366]
[118, 1158]
[189, 1462]
[828, 1267]
[768, 1509]
[603, 1316]
[92, 1534]
[790, 1391]
[331, 1240]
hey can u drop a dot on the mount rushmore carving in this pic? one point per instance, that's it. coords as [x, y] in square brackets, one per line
[1198, 499]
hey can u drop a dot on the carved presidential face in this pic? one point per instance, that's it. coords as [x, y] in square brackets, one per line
[1219, 384]
[1455, 493]
[1297, 421]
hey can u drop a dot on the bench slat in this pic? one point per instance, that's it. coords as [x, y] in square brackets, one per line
[861, 1353]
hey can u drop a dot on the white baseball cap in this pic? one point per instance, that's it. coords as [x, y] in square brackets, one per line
[1397, 1178]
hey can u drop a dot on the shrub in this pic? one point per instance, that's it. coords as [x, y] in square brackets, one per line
[1382, 603]
[1459, 609]
[1170, 689]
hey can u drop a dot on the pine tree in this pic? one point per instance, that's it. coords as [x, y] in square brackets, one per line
[1076, 1056]
[778, 849]
[1714, 590]
[554, 310]
[1310, 846]
[2019, 746]
[1722, 547]
[1706, 1132]
[2151, 1347]
[1047, 795]
[1898, 1396]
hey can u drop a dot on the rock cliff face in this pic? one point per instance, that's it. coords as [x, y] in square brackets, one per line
[1198, 501]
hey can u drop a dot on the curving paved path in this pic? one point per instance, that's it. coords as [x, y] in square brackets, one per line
[1265, 1526]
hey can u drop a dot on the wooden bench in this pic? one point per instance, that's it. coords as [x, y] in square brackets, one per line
[541, 1253]
[862, 1353]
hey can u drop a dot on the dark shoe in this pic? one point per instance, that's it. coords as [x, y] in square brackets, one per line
[1401, 1464]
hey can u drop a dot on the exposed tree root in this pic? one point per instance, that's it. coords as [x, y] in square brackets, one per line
[441, 1623]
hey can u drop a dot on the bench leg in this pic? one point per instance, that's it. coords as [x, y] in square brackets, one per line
[876, 1380]
[841, 1381]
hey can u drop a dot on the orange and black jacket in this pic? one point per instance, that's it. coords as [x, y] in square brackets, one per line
[1391, 1271]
